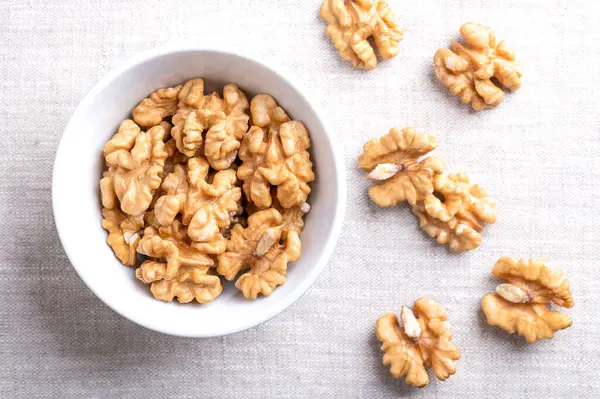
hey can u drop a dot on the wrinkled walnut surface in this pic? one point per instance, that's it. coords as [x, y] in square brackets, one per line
[292, 218]
[211, 205]
[411, 357]
[468, 69]
[170, 193]
[195, 113]
[449, 208]
[459, 219]
[123, 233]
[274, 153]
[226, 129]
[188, 284]
[136, 161]
[533, 318]
[351, 23]
[153, 109]
[260, 248]
[172, 244]
[174, 195]
[414, 179]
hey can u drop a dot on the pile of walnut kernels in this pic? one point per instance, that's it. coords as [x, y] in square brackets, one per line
[203, 186]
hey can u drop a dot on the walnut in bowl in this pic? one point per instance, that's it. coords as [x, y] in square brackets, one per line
[153, 168]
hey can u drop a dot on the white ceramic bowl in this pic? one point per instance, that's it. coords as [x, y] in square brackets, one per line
[79, 164]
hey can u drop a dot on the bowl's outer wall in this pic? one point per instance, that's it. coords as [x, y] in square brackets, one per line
[79, 165]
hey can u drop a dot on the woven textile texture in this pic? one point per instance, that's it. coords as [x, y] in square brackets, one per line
[538, 155]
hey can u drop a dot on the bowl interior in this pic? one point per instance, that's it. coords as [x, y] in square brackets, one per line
[79, 165]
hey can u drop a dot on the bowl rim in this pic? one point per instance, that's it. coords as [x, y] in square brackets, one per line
[335, 229]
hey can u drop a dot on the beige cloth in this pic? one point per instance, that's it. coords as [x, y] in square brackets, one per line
[538, 155]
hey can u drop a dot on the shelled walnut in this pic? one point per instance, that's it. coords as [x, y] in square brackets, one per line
[171, 194]
[159, 105]
[469, 70]
[173, 245]
[194, 114]
[174, 195]
[211, 205]
[350, 23]
[449, 208]
[459, 219]
[226, 129]
[274, 152]
[123, 233]
[136, 160]
[522, 305]
[424, 341]
[262, 250]
[189, 283]
[394, 160]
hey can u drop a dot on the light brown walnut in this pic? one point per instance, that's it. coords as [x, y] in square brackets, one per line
[194, 113]
[410, 178]
[173, 245]
[135, 165]
[226, 129]
[188, 284]
[263, 250]
[121, 143]
[274, 153]
[424, 341]
[292, 218]
[459, 217]
[350, 23]
[522, 305]
[107, 189]
[174, 190]
[449, 208]
[124, 139]
[209, 206]
[123, 233]
[468, 69]
[152, 110]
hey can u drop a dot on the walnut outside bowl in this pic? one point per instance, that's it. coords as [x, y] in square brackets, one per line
[78, 167]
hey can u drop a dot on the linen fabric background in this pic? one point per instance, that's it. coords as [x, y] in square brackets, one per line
[538, 155]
